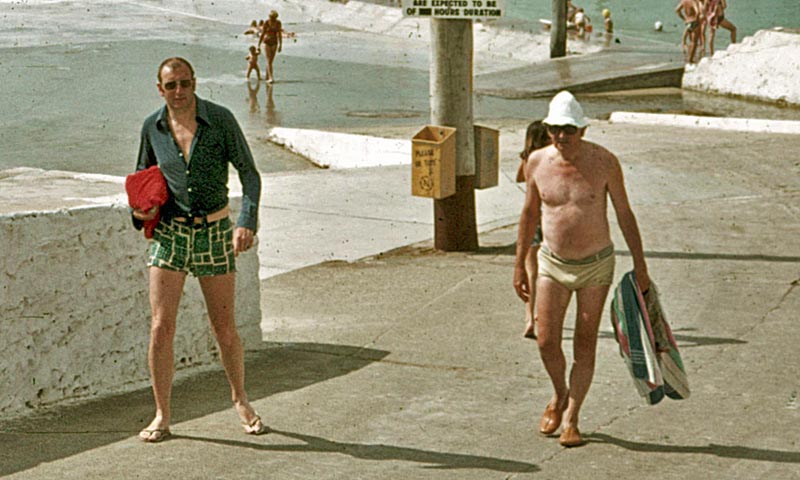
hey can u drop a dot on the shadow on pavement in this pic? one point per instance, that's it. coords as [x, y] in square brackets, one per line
[434, 460]
[688, 341]
[62, 431]
[724, 451]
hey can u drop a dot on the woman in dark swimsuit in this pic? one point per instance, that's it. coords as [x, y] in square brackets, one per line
[272, 37]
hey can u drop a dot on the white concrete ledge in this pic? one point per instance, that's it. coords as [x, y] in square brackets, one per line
[75, 310]
[718, 123]
[342, 150]
[764, 67]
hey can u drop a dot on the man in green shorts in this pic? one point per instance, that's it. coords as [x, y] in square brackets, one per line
[569, 182]
[192, 141]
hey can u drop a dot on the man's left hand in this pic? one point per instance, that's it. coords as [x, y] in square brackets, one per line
[243, 239]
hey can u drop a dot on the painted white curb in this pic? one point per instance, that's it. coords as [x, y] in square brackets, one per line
[719, 123]
[342, 150]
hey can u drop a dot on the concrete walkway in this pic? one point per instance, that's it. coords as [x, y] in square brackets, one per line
[410, 364]
[613, 69]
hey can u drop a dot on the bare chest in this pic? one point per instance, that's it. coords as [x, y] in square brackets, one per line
[562, 185]
[184, 135]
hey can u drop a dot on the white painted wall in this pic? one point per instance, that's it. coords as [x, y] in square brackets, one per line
[762, 67]
[342, 150]
[756, 125]
[74, 309]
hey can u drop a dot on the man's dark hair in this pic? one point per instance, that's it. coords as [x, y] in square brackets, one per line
[174, 62]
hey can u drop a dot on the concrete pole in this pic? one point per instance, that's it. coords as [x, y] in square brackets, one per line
[455, 228]
[558, 30]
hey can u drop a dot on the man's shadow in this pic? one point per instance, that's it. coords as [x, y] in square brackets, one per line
[722, 451]
[54, 433]
[430, 459]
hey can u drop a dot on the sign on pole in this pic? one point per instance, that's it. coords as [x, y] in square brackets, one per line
[453, 9]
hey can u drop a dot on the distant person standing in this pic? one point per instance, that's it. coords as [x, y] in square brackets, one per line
[535, 138]
[690, 11]
[252, 63]
[193, 141]
[571, 11]
[715, 15]
[607, 22]
[568, 187]
[272, 37]
[582, 22]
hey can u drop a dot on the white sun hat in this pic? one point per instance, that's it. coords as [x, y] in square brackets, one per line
[565, 110]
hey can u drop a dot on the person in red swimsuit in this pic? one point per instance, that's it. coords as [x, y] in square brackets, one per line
[272, 37]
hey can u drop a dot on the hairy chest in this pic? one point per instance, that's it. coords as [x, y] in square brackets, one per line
[567, 184]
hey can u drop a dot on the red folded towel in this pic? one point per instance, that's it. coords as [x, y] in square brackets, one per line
[147, 189]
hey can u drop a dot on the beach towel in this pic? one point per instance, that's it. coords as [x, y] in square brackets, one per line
[146, 189]
[646, 342]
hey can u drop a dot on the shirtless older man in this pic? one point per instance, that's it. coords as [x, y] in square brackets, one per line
[569, 182]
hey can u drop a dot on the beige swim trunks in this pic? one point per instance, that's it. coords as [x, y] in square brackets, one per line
[594, 270]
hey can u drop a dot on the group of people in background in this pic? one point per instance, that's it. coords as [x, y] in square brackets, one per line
[270, 33]
[702, 19]
[581, 24]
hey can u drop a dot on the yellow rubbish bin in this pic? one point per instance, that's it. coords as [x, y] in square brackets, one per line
[433, 162]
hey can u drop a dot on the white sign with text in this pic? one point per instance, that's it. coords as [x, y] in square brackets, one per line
[452, 8]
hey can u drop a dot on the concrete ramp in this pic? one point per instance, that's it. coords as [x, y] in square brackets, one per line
[609, 70]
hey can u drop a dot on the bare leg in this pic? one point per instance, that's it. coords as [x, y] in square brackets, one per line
[271, 52]
[552, 300]
[166, 287]
[694, 38]
[219, 293]
[729, 26]
[531, 267]
[711, 37]
[590, 308]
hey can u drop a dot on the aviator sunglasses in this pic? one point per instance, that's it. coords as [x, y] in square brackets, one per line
[556, 129]
[174, 84]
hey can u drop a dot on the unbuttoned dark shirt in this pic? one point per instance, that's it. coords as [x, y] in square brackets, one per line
[199, 185]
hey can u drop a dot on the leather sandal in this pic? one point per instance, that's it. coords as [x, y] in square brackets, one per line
[551, 418]
[570, 437]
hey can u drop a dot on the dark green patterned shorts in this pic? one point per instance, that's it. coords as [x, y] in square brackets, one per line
[200, 251]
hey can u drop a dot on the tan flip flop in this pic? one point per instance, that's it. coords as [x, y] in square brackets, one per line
[154, 435]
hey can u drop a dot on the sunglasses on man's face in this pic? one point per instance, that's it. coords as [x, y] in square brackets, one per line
[174, 84]
[556, 129]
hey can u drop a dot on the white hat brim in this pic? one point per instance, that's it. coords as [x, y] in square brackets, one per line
[565, 120]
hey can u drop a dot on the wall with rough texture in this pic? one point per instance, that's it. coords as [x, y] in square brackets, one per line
[762, 67]
[74, 310]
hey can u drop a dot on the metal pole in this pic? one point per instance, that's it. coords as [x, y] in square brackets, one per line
[455, 228]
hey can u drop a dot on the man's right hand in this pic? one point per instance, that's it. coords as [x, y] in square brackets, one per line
[521, 283]
[145, 216]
